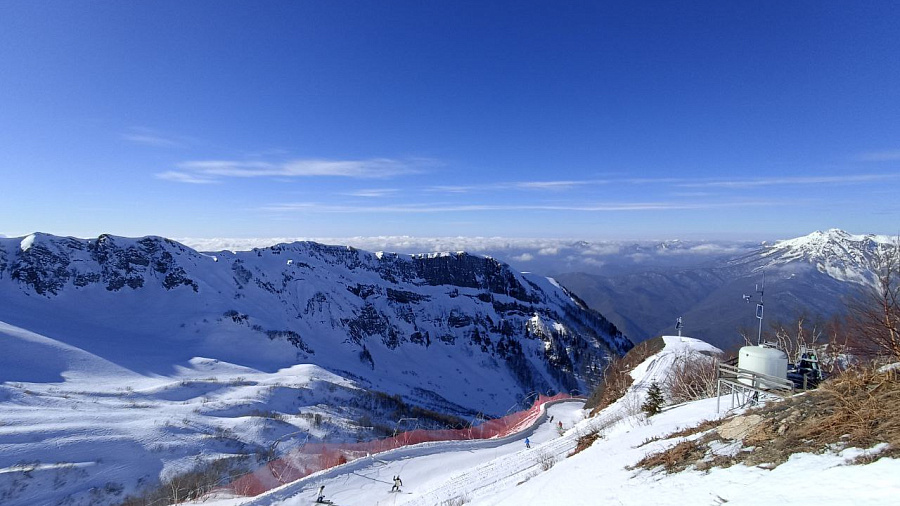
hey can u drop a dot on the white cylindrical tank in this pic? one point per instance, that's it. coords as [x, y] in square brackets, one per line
[762, 360]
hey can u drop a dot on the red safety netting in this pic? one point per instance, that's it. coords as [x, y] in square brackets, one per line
[313, 457]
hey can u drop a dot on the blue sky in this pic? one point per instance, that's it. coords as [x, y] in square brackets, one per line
[587, 120]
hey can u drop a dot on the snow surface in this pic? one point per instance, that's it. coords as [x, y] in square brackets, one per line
[840, 255]
[430, 471]
[512, 475]
[26, 242]
[321, 294]
[104, 390]
[78, 429]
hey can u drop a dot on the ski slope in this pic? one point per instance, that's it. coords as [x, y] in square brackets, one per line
[430, 471]
[505, 473]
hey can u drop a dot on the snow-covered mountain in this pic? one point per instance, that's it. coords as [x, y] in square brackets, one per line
[836, 253]
[129, 360]
[598, 459]
[543, 256]
[452, 329]
[810, 276]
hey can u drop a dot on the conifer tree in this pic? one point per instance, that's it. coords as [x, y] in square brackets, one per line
[655, 400]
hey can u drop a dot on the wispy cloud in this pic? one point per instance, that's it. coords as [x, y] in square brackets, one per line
[880, 156]
[373, 168]
[780, 181]
[562, 185]
[443, 208]
[552, 185]
[150, 137]
[181, 177]
[151, 140]
[696, 194]
[455, 188]
[373, 192]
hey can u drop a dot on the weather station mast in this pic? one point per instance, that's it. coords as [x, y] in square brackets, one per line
[760, 290]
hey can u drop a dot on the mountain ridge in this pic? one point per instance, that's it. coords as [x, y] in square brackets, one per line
[346, 308]
[810, 276]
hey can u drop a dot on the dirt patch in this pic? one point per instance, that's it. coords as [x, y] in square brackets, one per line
[739, 427]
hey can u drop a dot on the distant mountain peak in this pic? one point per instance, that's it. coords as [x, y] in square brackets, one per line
[835, 252]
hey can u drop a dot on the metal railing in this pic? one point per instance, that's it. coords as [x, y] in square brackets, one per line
[747, 386]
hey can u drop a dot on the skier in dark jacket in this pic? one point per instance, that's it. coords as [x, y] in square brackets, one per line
[397, 484]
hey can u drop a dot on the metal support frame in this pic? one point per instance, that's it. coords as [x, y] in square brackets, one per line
[748, 386]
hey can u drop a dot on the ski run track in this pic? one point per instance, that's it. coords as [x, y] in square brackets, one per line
[503, 472]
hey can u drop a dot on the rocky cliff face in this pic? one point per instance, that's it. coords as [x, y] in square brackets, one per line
[48, 264]
[449, 329]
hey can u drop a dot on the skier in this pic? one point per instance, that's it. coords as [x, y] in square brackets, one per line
[320, 497]
[527, 443]
[397, 484]
[560, 425]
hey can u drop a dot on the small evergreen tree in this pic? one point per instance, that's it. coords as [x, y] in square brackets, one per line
[655, 400]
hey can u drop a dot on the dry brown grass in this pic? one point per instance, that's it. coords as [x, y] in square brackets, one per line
[701, 427]
[585, 442]
[616, 377]
[859, 408]
[675, 458]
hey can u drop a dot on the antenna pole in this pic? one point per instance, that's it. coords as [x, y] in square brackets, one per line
[759, 309]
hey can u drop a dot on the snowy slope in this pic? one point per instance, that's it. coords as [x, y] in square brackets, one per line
[149, 304]
[600, 474]
[431, 472]
[127, 360]
[78, 429]
[836, 253]
[513, 475]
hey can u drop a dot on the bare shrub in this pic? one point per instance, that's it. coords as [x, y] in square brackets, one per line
[616, 378]
[873, 320]
[456, 501]
[546, 460]
[802, 333]
[631, 405]
[692, 377]
[271, 415]
[528, 477]
[585, 442]
[190, 485]
[836, 356]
